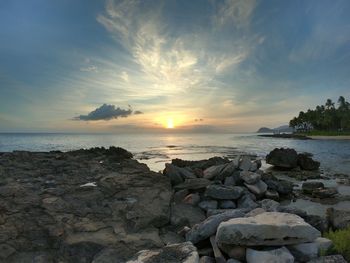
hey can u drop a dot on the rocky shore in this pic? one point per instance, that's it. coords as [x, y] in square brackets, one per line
[100, 205]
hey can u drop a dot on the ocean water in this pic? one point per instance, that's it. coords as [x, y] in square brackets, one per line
[157, 149]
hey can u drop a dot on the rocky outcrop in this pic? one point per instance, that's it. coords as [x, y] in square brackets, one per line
[305, 162]
[266, 229]
[70, 206]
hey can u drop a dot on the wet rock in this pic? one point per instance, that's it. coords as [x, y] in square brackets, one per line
[245, 163]
[307, 163]
[272, 194]
[227, 204]
[309, 187]
[175, 253]
[266, 229]
[208, 227]
[185, 215]
[329, 259]
[279, 255]
[324, 193]
[208, 204]
[223, 192]
[250, 177]
[339, 219]
[258, 188]
[283, 158]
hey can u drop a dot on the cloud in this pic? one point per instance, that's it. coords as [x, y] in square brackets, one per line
[105, 112]
[124, 76]
[91, 68]
[137, 112]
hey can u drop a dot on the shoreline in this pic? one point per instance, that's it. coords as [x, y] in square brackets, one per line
[335, 137]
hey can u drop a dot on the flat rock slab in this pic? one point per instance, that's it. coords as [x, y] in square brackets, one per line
[266, 229]
[224, 192]
[175, 253]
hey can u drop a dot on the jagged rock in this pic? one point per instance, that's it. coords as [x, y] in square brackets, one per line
[250, 177]
[227, 204]
[307, 163]
[279, 255]
[223, 192]
[269, 228]
[213, 171]
[258, 188]
[283, 158]
[208, 204]
[177, 174]
[208, 227]
[247, 202]
[175, 253]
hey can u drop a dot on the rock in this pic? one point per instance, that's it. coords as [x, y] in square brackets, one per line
[169, 237]
[329, 259]
[307, 163]
[308, 251]
[227, 204]
[207, 259]
[185, 215]
[231, 260]
[212, 212]
[324, 193]
[318, 222]
[208, 227]
[339, 219]
[283, 158]
[245, 163]
[201, 164]
[175, 253]
[284, 187]
[6, 251]
[107, 255]
[223, 192]
[227, 171]
[269, 205]
[230, 181]
[213, 171]
[272, 194]
[258, 188]
[179, 196]
[193, 184]
[192, 199]
[208, 204]
[279, 255]
[310, 186]
[234, 252]
[174, 175]
[266, 229]
[250, 177]
[246, 202]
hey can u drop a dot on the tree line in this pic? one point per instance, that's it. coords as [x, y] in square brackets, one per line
[326, 117]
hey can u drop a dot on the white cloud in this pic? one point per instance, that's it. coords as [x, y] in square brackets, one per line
[124, 76]
[91, 68]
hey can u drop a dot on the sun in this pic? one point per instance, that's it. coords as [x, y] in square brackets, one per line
[170, 123]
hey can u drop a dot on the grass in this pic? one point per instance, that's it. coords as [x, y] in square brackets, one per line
[325, 133]
[341, 242]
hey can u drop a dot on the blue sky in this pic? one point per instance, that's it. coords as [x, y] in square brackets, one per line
[121, 66]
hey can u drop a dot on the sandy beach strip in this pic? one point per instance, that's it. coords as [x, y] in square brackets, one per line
[341, 137]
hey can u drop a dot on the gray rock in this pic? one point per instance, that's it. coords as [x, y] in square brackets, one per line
[208, 204]
[224, 192]
[234, 252]
[339, 219]
[308, 187]
[227, 204]
[230, 181]
[192, 199]
[247, 202]
[329, 259]
[258, 188]
[305, 162]
[232, 260]
[272, 194]
[185, 215]
[212, 212]
[175, 253]
[305, 251]
[6, 251]
[173, 173]
[245, 163]
[269, 205]
[255, 212]
[208, 227]
[180, 195]
[284, 158]
[266, 229]
[107, 255]
[206, 259]
[250, 177]
[279, 255]
[213, 171]
[323, 243]
[325, 193]
[227, 171]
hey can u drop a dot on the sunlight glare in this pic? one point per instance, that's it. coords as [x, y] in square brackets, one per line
[170, 123]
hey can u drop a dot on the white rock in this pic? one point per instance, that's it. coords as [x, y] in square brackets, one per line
[280, 255]
[265, 229]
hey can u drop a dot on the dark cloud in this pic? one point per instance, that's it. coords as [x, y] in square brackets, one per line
[138, 112]
[196, 120]
[106, 112]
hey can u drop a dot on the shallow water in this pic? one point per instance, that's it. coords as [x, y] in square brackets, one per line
[156, 149]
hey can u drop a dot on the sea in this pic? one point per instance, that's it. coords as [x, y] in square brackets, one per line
[157, 149]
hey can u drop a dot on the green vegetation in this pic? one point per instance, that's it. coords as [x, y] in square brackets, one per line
[325, 119]
[341, 242]
[324, 133]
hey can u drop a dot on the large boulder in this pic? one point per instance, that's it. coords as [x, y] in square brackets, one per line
[175, 253]
[177, 174]
[224, 192]
[266, 229]
[305, 162]
[283, 158]
[208, 227]
[279, 255]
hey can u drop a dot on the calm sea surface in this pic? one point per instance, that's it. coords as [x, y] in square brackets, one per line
[156, 149]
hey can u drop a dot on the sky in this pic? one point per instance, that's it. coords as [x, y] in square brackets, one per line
[155, 66]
